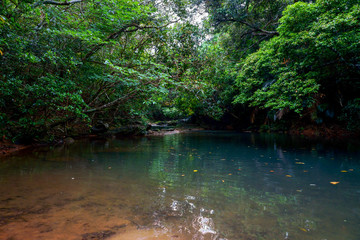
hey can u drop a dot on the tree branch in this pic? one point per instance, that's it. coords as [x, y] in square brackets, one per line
[107, 105]
[265, 32]
[135, 27]
[66, 3]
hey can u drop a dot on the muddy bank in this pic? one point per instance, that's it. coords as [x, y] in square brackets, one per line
[7, 148]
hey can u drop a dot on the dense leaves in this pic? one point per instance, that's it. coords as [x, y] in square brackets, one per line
[314, 60]
[71, 64]
[75, 62]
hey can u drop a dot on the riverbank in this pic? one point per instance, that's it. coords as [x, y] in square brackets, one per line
[312, 132]
[10, 148]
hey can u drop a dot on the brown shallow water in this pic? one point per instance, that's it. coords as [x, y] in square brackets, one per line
[187, 186]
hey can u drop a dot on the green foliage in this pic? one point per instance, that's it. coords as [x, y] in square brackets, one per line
[315, 58]
[121, 61]
[84, 61]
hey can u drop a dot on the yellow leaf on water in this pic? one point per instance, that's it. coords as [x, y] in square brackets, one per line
[223, 159]
[343, 171]
[183, 175]
[1, 53]
[222, 180]
[300, 163]
[195, 170]
[288, 176]
[230, 174]
[303, 229]
[334, 183]
[306, 171]
[272, 171]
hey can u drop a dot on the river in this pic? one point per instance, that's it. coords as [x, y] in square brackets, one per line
[204, 185]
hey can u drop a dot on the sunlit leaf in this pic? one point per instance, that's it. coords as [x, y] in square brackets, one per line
[300, 163]
[195, 170]
[334, 183]
[289, 176]
[344, 171]
[303, 229]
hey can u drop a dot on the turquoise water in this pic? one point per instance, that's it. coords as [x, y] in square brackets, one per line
[205, 185]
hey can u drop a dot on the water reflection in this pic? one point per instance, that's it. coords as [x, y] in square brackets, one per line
[197, 186]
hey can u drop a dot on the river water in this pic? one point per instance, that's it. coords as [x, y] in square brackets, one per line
[205, 185]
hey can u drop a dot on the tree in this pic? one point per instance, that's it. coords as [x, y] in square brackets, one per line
[63, 62]
[314, 62]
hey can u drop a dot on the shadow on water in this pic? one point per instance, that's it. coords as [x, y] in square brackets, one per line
[205, 185]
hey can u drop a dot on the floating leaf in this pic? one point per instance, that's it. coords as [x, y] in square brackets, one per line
[299, 190]
[288, 176]
[230, 174]
[303, 229]
[272, 171]
[344, 171]
[183, 175]
[300, 163]
[223, 159]
[334, 183]
[223, 180]
[195, 170]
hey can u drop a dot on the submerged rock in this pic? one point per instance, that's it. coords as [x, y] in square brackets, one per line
[100, 127]
[69, 140]
[97, 235]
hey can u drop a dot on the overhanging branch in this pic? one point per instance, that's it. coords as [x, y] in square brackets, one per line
[255, 28]
[132, 27]
[66, 3]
